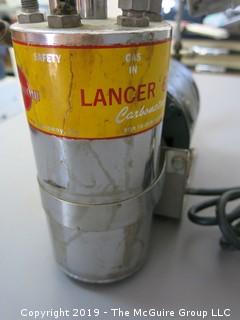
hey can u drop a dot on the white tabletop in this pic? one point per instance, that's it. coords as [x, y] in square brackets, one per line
[186, 267]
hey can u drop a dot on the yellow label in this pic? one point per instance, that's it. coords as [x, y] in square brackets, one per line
[94, 92]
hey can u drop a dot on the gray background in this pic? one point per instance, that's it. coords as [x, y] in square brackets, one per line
[185, 268]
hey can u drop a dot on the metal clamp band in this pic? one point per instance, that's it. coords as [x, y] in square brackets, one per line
[103, 217]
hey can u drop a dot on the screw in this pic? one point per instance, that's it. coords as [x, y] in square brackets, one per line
[178, 163]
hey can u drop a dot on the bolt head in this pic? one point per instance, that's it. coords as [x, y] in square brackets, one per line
[154, 17]
[137, 5]
[33, 17]
[155, 6]
[132, 21]
[64, 21]
[178, 163]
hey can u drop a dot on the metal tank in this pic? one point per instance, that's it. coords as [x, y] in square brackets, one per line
[95, 97]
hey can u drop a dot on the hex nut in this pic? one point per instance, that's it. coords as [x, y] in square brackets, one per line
[32, 17]
[154, 17]
[131, 21]
[155, 6]
[137, 5]
[64, 21]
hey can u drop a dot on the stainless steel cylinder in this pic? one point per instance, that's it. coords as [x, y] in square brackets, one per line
[95, 98]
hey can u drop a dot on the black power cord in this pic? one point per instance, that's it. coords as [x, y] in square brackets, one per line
[229, 223]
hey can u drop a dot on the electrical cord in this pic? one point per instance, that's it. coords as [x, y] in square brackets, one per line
[228, 222]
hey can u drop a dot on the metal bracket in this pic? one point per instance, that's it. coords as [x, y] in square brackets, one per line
[177, 169]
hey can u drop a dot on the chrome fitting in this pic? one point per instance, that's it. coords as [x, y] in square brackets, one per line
[63, 14]
[133, 19]
[155, 6]
[154, 10]
[137, 5]
[134, 13]
[32, 17]
[92, 9]
[155, 17]
[64, 21]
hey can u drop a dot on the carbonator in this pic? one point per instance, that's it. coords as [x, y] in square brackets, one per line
[94, 90]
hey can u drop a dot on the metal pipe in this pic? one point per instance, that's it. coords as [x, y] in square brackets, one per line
[92, 9]
[178, 31]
